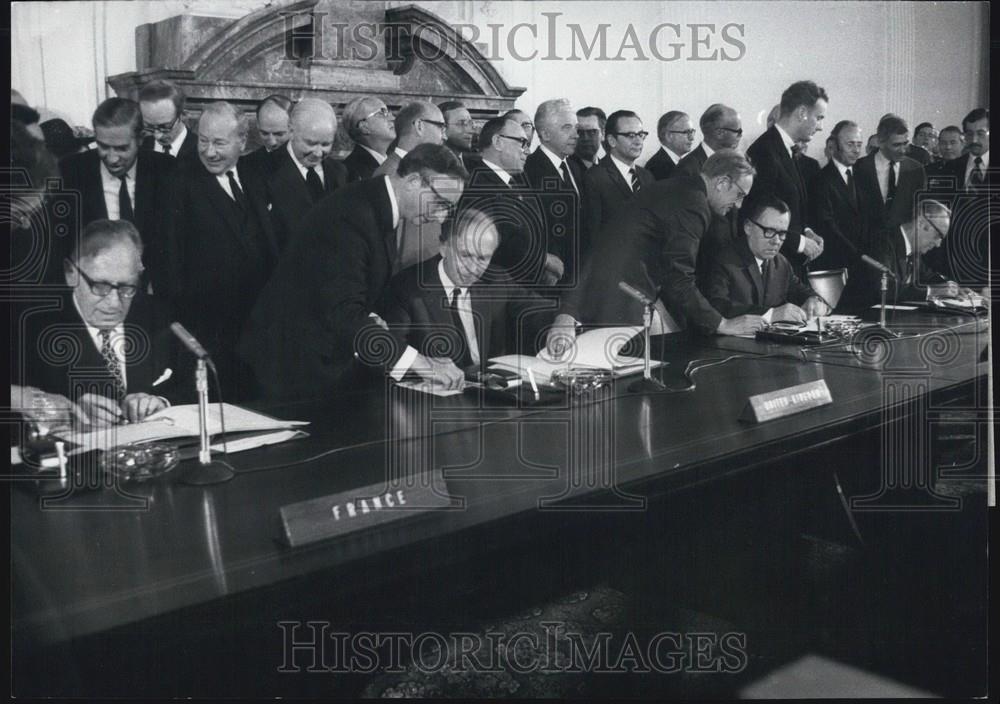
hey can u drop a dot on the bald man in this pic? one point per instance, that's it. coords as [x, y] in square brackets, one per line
[303, 170]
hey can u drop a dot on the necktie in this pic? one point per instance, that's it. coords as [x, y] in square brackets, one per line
[796, 150]
[890, 191]
[566, 176]
[167, 148]
[464, 359]
[125, 211]
[113, 365]
[634, 180]
[851, 193]
[241, 200]
[314, 185]
[976, 177]
[765, 274]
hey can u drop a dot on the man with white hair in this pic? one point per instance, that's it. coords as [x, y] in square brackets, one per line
[221, 241]
[303, 170]
[369, 123]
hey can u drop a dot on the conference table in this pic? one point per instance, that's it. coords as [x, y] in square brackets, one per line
[90, 562]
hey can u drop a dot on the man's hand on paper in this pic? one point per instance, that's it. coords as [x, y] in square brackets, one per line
[561, 336]
[440, 371]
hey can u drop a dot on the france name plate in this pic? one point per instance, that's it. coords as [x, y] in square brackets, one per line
[786, 402]
[362, 508]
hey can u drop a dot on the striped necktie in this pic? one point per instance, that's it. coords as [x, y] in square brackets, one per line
[634, 180]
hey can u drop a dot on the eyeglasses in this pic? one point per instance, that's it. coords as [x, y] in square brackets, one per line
[464, 124]
[523, 141]
[588, 133]
[769, 232]
[738, 133]
[740, 192]
[930, 222]
[383, 111]
[632, 135]
[165, 128]
[101, 289]
[436, 123]
[528, 126]
[440, 202]
[689, 133]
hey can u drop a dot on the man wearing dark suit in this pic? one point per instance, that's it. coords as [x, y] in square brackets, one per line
[808, 167]
[454, 306]
[459, 130]
[888, 180]
[369, 123]
[590, 126]
[721, 128]
[752, 277]
[676, 136]
[220, 241]
[303, 173]
[117, 181]
[801, 113]
[924, 146]
[902, 251]
[272, 128]
[162, 106]
[319, 315]
[616, 178]
[656, 252]
[559, 182]
[108, 346]
[834, 207]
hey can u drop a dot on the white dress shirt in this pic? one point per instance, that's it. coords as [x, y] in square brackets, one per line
[378, 156]
[970, 167]
[557, 162]
[674, 157]
[623, 169]
[464, 306]
[400, 152]
[882, 173]
[786, 139]
[112, 185]
[175, 146]
[760, 267]
[499, 171]
[304, 170]
[223, 180]
[842, 170]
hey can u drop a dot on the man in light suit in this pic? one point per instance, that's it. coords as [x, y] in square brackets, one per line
[318, 322]
[676, 136]
[751, 276]
[369, 123]
[118, 181]
[303, 172]
[162, 106]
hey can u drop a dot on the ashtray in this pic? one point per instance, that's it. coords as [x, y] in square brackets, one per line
[140, 462]
[580, 381]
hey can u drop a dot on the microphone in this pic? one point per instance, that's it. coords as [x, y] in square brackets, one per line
[635, 293]
[877, 265]
[189, 340]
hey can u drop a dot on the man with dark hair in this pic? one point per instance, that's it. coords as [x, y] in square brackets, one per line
[273, 114]
[950, 143]
[524, 119]
[973, 168]
[125, 358]
[319, 316]
[676, 136]
[802, 109]
[721, 128]
[459, 128]
[751, 276]
[924, 145]
[220, 242]
[590, 124]
[369, 123]
[888, 180]
[118, 181]
[162, 106]
[616, 178]
[656, 252]
[834, 205]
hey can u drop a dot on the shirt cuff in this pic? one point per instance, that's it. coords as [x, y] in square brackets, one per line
[802, 245]
[767, 316]
[404, 363]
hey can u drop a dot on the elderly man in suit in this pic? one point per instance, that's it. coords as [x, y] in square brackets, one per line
[590, 125]
[524, 119]
[888, 180]
[273, 114]
[369, 123]
[118, 181]
[162, 106]
[456, 305]
[656, 252]
[319, 316]
[616, 178]
[303, 172]
[108, 347]
[751, 276]
[834, 206]
[676, 136]
[721, 128]
[220, 241]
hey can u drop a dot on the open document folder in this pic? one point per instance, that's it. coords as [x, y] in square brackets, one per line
[599, 348]
[177, 422]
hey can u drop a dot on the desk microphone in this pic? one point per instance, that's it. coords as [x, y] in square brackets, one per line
[189, 340]
[877, 265]
[635, 293]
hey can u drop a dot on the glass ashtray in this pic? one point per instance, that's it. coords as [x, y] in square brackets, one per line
[579, 381]
[140, 462]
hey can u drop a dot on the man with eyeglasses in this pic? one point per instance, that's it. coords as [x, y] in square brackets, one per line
[522, 118]
[303, 172]
[118, 181]
[752, 277]
[318, 323]
[800, 116]
[124, 358]
[369, 123]
[590, 124]
[616, 178]
[162, 106]
[676, 136]
[721, 128]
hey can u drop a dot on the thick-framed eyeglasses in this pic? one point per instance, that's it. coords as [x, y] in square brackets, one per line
[523, 141]
[690, 133]
[440, 202]
[102, 289]
[632, 135]
[383, 111]
[738, 133]
[528, 125]
[437, 123]
[769, 232]
[165, 128]
[930, 222]
[462, 124]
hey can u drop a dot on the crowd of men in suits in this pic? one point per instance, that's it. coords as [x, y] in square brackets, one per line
[431, 248]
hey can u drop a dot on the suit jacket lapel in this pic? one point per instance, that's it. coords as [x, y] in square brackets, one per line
[96, 204]
[616, 177]
[753, 271]
[226, 207]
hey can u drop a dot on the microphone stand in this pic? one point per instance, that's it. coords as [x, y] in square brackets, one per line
[647, 382]
[884, 291]
[207, 471]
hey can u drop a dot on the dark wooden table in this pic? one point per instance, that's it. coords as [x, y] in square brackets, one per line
[94, 561]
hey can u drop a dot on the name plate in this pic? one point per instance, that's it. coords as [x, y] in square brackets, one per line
[786, 402]
[362, 508]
